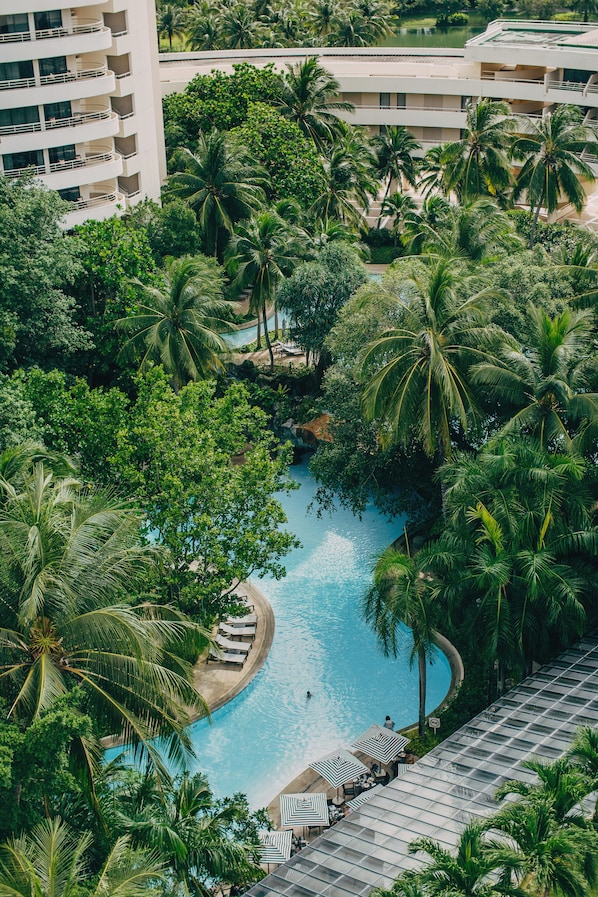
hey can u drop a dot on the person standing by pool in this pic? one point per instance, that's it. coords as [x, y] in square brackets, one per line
[388, 723]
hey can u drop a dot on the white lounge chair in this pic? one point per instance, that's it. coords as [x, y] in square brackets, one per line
[237, 631]
[227, 657]
[247, 620]
[227, 645]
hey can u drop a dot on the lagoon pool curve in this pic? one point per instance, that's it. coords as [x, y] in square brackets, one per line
[270, 732]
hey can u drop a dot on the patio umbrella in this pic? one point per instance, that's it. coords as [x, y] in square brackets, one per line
[381, 743]
[303, 809]
[339, 767]
[356, 802]
[276, 847]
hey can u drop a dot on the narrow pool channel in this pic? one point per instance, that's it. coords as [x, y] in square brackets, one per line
[270, 732]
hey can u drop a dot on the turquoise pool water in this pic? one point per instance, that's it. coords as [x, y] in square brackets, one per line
[263, 738]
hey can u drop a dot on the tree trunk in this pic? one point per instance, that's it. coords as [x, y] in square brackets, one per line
[384, 198]
[259, 332]
[275, 322]
[267, 337]
[423, 672]
[532, 232]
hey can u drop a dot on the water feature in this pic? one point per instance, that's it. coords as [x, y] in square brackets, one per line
[433, 36]
[270, 732]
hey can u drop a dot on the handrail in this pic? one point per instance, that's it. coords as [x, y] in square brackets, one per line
[93, 26]
[79, 118]
[125, 116]
[121, 75]
[62, 78]
[69, 164]
[15, 37]
[97, 201]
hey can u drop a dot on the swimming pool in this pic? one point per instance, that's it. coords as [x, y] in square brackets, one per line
[270, 732]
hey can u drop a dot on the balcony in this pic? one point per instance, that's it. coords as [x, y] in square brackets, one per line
[413, 116]
[98, 208]
[82, 37]
[7, 7]
[82, 127]
[74, 172]
[75, 85]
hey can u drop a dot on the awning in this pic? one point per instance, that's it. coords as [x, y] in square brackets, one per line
[276, 846]
[381, 743]
[304, 809]
[339, 767]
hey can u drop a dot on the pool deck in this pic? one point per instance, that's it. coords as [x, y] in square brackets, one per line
[218, 683]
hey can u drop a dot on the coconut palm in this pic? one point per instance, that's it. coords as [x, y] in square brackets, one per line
[586, 7]
[322, 16]
[419, 223]
[478, 230]
[239, 30]
[378, 19]
[51, 862]
[550, 149]
[559, 783]
[477, 868]
[179, 326]
[403, 595]
[309, 98]
[181, 821]
[399, 206]
[203, 28]
[394, 151]
[171, 21]
[262, 252]
[349, 182]
[349, 30]
[583, 753]
[433, 173]
[547, 386]
[221, 183]
[69, 559]
[477, 164]
[417, 372]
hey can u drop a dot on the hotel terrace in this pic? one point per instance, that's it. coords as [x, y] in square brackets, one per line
[80, 101]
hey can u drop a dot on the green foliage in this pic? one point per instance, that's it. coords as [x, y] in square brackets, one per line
[294, 170]
[35, 764]
[39, 264]
[218, 101]
[202, 467]
[171, 229]
[458, 19]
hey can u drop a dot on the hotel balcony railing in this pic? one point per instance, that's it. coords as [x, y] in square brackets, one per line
[88, 27]
[89, 159]
[80, 118]
[62, 78]
[97, 201]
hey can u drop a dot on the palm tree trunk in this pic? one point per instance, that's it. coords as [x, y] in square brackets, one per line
[423, 672]
[259, 332]
[275, 322]
[267, 336]
[384, 198]
[532, 232]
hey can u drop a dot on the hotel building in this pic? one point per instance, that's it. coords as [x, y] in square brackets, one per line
[80, 101]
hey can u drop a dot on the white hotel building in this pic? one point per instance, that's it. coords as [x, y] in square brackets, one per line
[80, 101]
[533, 66]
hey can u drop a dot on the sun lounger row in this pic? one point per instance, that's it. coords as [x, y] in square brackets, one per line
[237, 631]
[228, 645]
[236, 657]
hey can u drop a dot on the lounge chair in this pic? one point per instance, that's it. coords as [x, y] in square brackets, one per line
[237, 631]
[247, 620]
[236, 658]
[227, 645]
[289, 350]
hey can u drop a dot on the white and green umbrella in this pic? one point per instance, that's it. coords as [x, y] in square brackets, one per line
[381, 743]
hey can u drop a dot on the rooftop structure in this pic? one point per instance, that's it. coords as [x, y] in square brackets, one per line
[452, 784]
[80, 101]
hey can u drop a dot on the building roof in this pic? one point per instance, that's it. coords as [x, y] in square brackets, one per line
[450, 785]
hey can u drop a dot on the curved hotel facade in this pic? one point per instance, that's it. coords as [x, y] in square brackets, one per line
[533, 66]
[80, 101]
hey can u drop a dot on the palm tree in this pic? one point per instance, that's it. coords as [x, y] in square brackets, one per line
[559, 783]
[309, 98]
[398, 206]
[378, 19]
[69, 557]
[550, 150]
[435, 211]
[349, 182]
[181, 821]
[203, 28]
[322, 16]
[477, 164]
[403, 595]
[476, 869]
[50, 862]
[394, 151]
[238, 28]
[179, 326]
[433, 173]
[262, 252]
[417, 372]
[221, 183]
[586, 7]
[478, 230]
[349, 30]
[171, 21]
[584, 755]
[546, 386]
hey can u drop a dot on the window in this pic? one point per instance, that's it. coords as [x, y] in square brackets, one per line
[16, 71]
[25, 116]
[16, 24]
[70, 194]
[56, 111]
[385, 101]
[401, 100]
[464, 103]
[55, 65]
[60, 154]
[45, 21]
[20, 161]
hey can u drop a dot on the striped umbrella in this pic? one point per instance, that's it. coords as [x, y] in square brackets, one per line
[356, 802]
[276, 846]
[339, 767]
[303, 809]
[381, 743]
